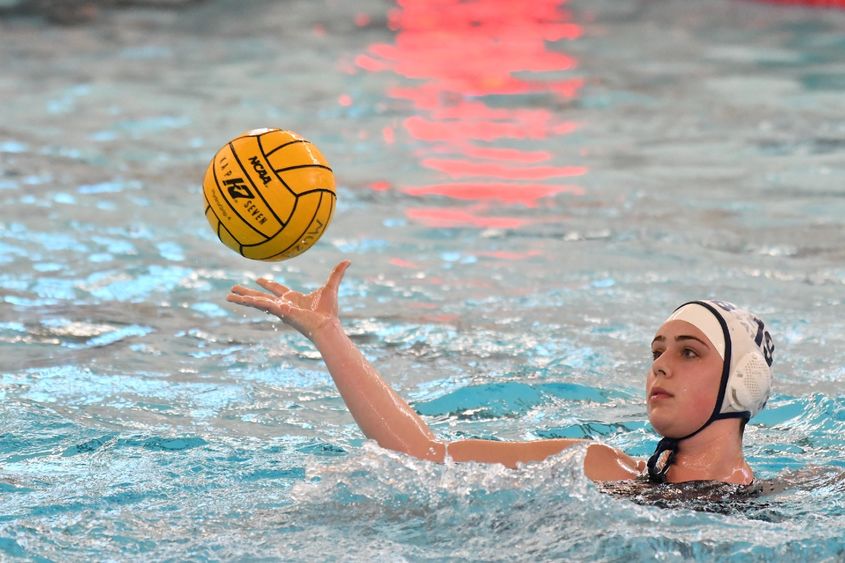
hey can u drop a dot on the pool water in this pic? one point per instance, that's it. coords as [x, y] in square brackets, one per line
[525, 191]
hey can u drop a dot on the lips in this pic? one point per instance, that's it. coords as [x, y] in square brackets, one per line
[660, 393]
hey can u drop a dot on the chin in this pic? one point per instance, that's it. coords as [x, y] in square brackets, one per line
[670, 429]
[660, 425]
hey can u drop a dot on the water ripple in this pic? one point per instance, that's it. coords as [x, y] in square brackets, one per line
[508, 399]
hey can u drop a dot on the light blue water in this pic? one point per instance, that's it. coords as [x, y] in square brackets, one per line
[516, 236]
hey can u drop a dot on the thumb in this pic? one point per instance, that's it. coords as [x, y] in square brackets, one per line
[333, 283]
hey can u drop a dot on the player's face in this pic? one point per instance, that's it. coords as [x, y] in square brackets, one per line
[683, 383]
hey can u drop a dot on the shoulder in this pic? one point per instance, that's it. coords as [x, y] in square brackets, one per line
[604, 463]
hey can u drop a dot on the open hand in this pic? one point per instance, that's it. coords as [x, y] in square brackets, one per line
[305, 313]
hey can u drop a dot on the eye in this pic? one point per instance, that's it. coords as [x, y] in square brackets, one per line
[655, 354]
[689, 353]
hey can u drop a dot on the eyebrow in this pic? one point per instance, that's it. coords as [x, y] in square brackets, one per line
[680, 338]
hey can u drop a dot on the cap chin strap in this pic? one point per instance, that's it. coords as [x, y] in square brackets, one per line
[659, 475]
[671, 445]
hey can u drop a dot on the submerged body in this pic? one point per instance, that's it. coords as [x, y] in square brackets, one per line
[690, 374]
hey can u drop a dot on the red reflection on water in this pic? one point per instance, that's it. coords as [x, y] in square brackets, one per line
[402, 263]
[379, 186]
[463, 168]
[467, 128]
[446, 217]
[505, 255]
[527, 194]
[389, 135]
[469, 57]
[507, 154]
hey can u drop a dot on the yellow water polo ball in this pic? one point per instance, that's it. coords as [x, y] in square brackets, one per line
[269, 194]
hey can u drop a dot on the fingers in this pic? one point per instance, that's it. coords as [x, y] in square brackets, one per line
[281, 300]
[256, 301]
[260, 301]
[337, 276]
[269, 302]
[241, 290]
[274, 287]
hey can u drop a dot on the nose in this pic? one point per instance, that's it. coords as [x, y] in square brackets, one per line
[660, 367]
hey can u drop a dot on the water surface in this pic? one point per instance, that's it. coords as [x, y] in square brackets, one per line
[525, 193]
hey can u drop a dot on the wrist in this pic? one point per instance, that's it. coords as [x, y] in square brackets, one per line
[326, 332]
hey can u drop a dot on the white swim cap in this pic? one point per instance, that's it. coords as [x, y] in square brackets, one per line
[746, 349]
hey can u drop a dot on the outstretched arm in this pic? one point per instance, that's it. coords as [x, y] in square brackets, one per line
[383, 415]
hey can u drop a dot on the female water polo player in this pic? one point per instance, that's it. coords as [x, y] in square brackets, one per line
[711, 372]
